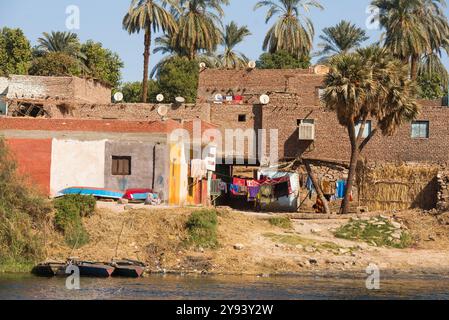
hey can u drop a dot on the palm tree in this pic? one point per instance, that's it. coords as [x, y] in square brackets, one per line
[199, 25]
[62, 42]
[430, 65]
[292, 31]
[342, 38]
[370, 83]
[167, 45]
[58, 41]
[232, 36]
[150, 16]
[413, 28]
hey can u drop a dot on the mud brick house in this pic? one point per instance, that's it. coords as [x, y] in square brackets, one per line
[294, 100]
[49, 96]
[227, 99]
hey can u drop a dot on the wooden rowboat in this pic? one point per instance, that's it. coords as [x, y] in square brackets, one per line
[94, 269]
[128, 269]
[49, 269]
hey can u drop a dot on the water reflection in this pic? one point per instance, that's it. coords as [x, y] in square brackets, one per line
[223, 287]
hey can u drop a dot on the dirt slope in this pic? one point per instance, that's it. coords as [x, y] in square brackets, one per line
[157, 236]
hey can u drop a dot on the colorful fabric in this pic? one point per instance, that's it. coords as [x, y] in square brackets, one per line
[309, 184]
[253, 192]
[239, 188]
[252, 183]
[266, 192]
[215, 188]
[341, 189]
[223, 187]
[328, 187]
[234, 189]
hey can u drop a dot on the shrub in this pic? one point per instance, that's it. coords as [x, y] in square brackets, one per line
[23, 215]
[70, 210]
[202, 228]
[377, 231]
[281, 222]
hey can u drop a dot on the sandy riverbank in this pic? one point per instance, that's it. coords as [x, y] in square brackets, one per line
[157, 236]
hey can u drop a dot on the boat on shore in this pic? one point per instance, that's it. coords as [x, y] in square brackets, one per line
[94, 269]
[49, 269]
[100, 193]
[128, 269]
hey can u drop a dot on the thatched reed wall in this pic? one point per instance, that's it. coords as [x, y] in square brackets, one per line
[404, 186]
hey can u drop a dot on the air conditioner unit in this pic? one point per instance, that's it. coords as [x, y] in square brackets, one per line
[306, 131]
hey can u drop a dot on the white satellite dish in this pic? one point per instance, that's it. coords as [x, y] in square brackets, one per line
[252, 64]
[264, 99]
[162, 110]
[218, 97]
[160, 97]
[202, 65]
[180, 99]
[118, 96]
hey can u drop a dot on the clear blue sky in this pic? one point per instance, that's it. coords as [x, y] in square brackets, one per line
[101, 21]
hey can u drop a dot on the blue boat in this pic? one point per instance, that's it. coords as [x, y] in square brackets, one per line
[96, 192]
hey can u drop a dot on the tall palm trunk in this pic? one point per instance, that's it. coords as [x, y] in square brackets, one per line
[146, 63]
[414, 67]
[352, 168]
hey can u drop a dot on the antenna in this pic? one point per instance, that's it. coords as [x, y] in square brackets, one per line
[118, 96]
[160, 97]
[264, 99]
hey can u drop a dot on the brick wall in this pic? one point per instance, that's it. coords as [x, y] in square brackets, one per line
[138, 111]
[58, 88]
[34, 160]
[256, 82]
[89, 90]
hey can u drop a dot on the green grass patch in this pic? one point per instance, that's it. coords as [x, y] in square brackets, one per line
[376, 231]
[281, 222]
[15, 266]
[202, 228]
[68, 218]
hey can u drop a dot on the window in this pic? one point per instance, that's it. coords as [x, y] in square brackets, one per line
[242, 117]
[305, 121]
[366, 131]
[121, 166]
[420, 129]
[321, 92]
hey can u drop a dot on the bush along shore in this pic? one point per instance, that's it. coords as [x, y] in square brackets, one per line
[27, 218]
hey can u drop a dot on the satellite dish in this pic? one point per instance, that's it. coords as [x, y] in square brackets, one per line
[264, 99]
[160, 97]
[118, 96]
[162, 110]
[180, 99]
[218, 97]
[252, 64]
[202, 65]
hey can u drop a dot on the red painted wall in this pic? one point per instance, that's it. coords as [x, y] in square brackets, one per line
[34, 160]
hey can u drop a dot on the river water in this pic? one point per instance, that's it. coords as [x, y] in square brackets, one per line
[223, 287]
